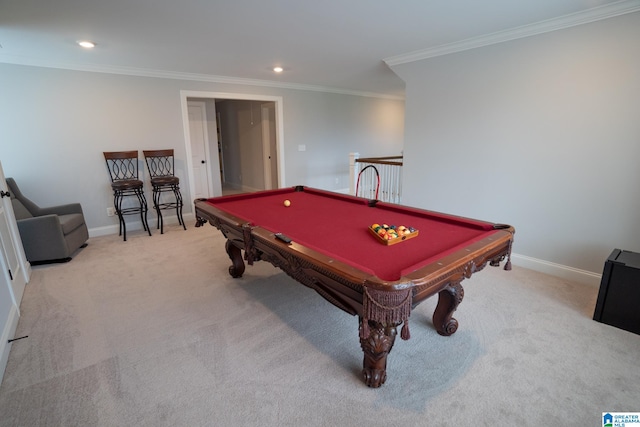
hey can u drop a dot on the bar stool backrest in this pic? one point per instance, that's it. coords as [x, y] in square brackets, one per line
[159, 162]
[122, 165]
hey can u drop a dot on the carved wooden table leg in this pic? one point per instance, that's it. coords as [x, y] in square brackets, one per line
[235, 254]
[448, 300]
[376, 347]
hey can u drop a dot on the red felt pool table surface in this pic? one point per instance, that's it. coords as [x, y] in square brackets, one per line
[337, 226]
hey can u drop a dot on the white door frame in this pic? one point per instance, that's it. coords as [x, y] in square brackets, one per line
[185, 94]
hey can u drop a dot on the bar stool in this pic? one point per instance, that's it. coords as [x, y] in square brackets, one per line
[160, 164]
[123, 169]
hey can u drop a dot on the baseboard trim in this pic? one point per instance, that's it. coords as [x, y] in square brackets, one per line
[189, 218]
[557, 270]
[7, 334]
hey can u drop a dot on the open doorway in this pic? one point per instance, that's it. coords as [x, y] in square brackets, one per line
[233, 142]
[246, 145]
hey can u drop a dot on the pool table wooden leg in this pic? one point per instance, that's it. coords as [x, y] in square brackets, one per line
[448, 300]
[376, 348]
[235, 254]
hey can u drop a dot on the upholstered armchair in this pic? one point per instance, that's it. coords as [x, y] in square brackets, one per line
[50, 234]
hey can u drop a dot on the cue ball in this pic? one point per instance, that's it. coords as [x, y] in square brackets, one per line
[287, 203]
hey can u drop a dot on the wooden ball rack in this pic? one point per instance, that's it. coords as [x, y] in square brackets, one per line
[398, 239]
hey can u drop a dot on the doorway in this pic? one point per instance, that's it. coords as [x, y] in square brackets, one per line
[246, 145]
[237, 142]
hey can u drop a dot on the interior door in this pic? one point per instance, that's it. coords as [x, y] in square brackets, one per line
[199, 153]
[9, 258]
[14, 273]
[12, 259]
[273, 145]
[266, 147]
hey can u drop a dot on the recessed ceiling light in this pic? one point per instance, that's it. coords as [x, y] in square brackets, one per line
[87, 44]
[278, 69]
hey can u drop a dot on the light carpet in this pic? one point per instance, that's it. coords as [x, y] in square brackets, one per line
[154, 332]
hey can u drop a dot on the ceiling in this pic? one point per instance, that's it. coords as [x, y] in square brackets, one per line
[338, 45]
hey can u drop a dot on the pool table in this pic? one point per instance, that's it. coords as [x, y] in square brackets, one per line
[324, 240]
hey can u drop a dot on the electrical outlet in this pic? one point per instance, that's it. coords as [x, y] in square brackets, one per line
[111, 211]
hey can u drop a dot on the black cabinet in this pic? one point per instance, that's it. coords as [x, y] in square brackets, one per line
[619, 297]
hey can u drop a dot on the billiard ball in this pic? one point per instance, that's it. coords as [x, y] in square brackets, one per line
[287, 203]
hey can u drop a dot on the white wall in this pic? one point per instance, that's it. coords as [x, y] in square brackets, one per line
[55, 124]
[542, 133]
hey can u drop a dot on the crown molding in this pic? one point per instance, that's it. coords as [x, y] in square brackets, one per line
[175, 75]
[591, 15]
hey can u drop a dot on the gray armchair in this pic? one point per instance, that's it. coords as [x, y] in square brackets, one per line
[49, 234]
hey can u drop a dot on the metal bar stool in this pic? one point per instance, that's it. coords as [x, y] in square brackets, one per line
[123, 169]
[160, 164]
